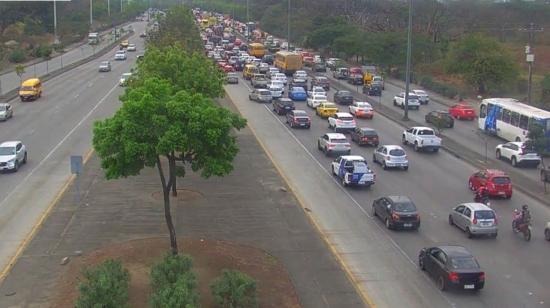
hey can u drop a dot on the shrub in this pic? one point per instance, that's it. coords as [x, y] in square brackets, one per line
[234, 289]
[42, 51]
[105, 285]
[17, 56]
[173, 283]
[545, 85]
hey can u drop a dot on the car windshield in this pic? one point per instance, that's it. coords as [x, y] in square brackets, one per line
[484, 214]
[339, 140]
[232, 75]
[329, 105]
[420, 92]
[404, 207]
[264, 92]
[501, 180]
[320, 98]
[425, 132]
[464, 263]
[368, 132]
[363, 105]
[298, 89]
[413, 97]
[346, 118]
[286, 102]
[7, 151]
[360, 167]
[397, 152]
[104, 63]
[26, 88]
[300, 113]
[344, 93]
[2, 108]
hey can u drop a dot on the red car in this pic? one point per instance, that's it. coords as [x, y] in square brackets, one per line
[497, 182]
[237, 42]
[228, 68]
[462, 111]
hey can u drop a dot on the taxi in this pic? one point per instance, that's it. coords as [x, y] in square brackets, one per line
[326, 109]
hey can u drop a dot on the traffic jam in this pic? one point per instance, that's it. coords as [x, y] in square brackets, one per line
[314, 98]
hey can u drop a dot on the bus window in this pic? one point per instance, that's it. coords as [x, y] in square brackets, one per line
[506, 115]
[523, 122]
[482, 111]
[499, 115]
[515, 119]
[547, 125]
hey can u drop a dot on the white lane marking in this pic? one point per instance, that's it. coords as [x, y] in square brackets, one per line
[354, 201]
[26, 178]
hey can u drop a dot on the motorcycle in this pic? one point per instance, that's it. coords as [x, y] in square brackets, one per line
[482, 199]
[523, 227]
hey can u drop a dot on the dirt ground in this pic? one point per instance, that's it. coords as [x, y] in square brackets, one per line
[274, 286]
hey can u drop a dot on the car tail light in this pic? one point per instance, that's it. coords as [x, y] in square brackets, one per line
[353, 122]
[394, 216]
[482, 276]
[339, 121]
[474, 221]
[496, 220]
[330, 146]
[453, 276]
[365, 138]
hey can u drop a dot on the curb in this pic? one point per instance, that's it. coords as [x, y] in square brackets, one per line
[521, 183]
[12, 94]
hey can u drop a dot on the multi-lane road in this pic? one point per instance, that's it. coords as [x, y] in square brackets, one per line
[53, 128]
[385, 262]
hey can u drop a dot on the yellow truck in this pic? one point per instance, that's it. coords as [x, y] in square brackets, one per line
[288, 62]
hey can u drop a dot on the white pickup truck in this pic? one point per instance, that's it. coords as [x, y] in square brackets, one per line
[422, 138]
[414, 101]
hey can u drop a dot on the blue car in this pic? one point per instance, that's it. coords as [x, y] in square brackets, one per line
[297, 94]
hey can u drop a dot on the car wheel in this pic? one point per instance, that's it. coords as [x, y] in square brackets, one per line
[404, 140]
[547, 234]
[436, 150]
[451, 125]
[16, 166]
[384, 165]
[469, 233]
[319, 146]
[498, 154]
[373, 211]
[416, 147]
[494, 235]
[388, 224]
[451, 222]
[441, 285]
[25, 158]
[344, 182]
[514, 161]
[421, 263]
[406, 168]
[374, 158]
[394, 103]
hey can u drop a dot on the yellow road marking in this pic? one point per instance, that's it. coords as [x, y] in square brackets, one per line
[38, 225]
[354, 281]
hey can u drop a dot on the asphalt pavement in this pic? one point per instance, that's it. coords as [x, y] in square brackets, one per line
[384, 262]
[53, 128]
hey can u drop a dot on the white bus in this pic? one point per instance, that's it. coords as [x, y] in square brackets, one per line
[510, 119]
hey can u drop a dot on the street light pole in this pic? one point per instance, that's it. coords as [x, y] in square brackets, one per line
[408, 70]
[56, 39]
[288, 26]
[91, 13]
[109, 8]
[247, 16]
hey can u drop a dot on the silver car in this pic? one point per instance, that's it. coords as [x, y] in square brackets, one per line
[260, 95]
[474, 219]
[6, 111]
[331, 143]
[105, 66]
[391, 156]
[12, 155]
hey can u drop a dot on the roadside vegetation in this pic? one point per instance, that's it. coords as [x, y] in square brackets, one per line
[27, 28]
[374, 32]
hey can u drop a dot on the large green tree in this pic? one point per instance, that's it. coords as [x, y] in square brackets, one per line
[482, 61]
[177, 27]
[157, 126]
[538, 142]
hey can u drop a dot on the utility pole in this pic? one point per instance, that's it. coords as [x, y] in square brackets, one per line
[109, 8]
[56, 39]
[247, 16]
[530, 55]
[408, 70]
[91, 14]
[288, 26]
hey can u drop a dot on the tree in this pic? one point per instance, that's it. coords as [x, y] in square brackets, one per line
[155, 126]
[482, 61]
[177, 27]
[234, 289]
[539, 142]
[20, 70]
[545, 85]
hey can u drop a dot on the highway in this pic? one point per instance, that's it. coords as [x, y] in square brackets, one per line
[464, 132]
[53, 128]
[385, 262]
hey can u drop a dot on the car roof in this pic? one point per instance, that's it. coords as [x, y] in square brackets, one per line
[299, 112]
[353, 157]
[299, 89]
[9, 143]
[30, 82]
[455, 251]
[392, 147]
[4, 104]
[518, 143]
[336, 136]
[477, 206]
[422, 127]
[399, 199]
[367, 129]
[496, 172]
[343, 114]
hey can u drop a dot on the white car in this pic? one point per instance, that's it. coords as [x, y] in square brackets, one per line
[300, 75]
[124, 79]
[342, 122]
[423, 97]
[317, 91]
[281, 77]
[361, 110]
[6, 111]
[131, 47]
[316, 100]
[13, 154]
[120, 55]
[413, 102]
[276, 88]
[517, 153]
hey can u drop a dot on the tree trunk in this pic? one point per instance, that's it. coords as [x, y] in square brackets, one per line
[172, 170]
[167, 211]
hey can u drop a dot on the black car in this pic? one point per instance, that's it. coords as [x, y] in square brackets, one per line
[372, 90]
[283, 105]
[268, 59]
[396, 212]
[302, 83]
[320, 67]
[452, 267]
[364, 136]
[355, 79]
[440, 118]
[343, 97]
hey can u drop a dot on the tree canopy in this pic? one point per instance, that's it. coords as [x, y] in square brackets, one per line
[482, 61]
